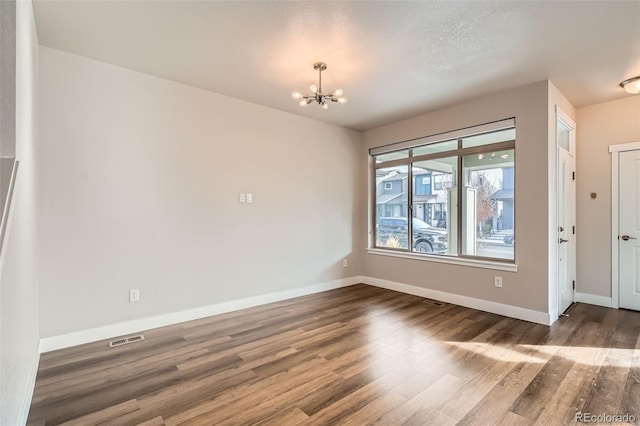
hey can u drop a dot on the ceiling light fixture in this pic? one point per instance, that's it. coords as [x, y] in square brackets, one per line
[631, 85]
[316, 92]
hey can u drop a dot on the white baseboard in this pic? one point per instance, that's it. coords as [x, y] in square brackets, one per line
[592, 299]
[31, 384]
[469, 302]
[106, 332]
[99, 333]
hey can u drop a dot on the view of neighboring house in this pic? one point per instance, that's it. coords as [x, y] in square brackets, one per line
[431, 190]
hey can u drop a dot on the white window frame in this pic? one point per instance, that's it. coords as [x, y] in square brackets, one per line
[459, 258]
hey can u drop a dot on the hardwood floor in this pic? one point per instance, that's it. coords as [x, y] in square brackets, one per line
[357, 355]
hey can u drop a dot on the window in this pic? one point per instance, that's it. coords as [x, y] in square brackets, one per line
[454, 196]
[388, 185]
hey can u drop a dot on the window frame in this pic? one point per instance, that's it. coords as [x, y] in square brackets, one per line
[459, 153]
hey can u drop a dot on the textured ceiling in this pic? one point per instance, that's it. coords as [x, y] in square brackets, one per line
[393, 59]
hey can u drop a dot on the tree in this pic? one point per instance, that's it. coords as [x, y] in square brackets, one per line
[486, 206]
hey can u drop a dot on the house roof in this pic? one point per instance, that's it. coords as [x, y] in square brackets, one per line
[385, 198]
[503, 194]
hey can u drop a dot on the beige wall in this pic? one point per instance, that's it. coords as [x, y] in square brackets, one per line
[599, 126]
[19, 336]
[140, 179]
[527, 288]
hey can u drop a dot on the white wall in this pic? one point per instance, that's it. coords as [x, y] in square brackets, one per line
[19, 336]
[140, 179]
[527, 288]
[599, 126]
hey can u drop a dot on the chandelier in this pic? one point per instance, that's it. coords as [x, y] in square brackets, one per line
[631, 85]
[316, 92]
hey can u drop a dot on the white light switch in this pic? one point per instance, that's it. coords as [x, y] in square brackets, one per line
[134, 295]
[242, 198]
[249, 198]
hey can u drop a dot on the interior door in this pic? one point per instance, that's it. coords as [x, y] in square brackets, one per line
[566, 229]
[629, 230]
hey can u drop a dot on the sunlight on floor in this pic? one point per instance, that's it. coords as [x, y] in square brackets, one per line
[541, 353]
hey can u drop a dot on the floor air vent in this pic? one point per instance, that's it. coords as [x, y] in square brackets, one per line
[126, 340]
[434, 303]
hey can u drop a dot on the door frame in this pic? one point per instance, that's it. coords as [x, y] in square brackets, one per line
[615, 151]
[568, 122]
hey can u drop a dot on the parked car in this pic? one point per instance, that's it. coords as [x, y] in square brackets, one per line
[509, 239]
[426, 238]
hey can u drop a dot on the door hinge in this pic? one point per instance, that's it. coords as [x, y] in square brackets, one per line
[574, 284]
[573, 175]
[573, 229]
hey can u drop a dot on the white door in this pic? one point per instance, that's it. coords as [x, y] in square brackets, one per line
[629, 230]
[566, 229]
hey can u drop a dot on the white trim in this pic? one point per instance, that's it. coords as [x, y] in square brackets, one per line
[105, 332]
[460, 261]
[615, 166]
[593, 299]
[454, 134]
[99, 333]
[31, 384]
[469, 302]
[630, 146]
[615, 151]
[567, 121]
[564, 119]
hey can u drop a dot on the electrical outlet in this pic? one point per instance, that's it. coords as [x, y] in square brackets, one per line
[134, 295]
[345, 263]
[243, 198]
[498, 281]
[249, 198]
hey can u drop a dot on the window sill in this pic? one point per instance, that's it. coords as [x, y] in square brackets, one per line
[461, 261]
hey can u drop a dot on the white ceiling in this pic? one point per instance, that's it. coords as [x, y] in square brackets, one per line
[393, 59]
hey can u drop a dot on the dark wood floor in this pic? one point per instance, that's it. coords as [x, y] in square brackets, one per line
[358, 355]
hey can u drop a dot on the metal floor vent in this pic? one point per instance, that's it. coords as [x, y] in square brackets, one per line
[434, 303]
[126, 340]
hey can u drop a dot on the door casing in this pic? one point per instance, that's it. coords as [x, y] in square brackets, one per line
[564, 121]
[615, 151]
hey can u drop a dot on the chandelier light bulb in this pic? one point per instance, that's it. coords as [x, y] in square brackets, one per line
[317, 95]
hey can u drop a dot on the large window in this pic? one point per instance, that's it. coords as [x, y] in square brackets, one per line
[449, 196]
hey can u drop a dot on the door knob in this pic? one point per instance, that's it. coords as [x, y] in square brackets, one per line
[627, 238]
[561, 240]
